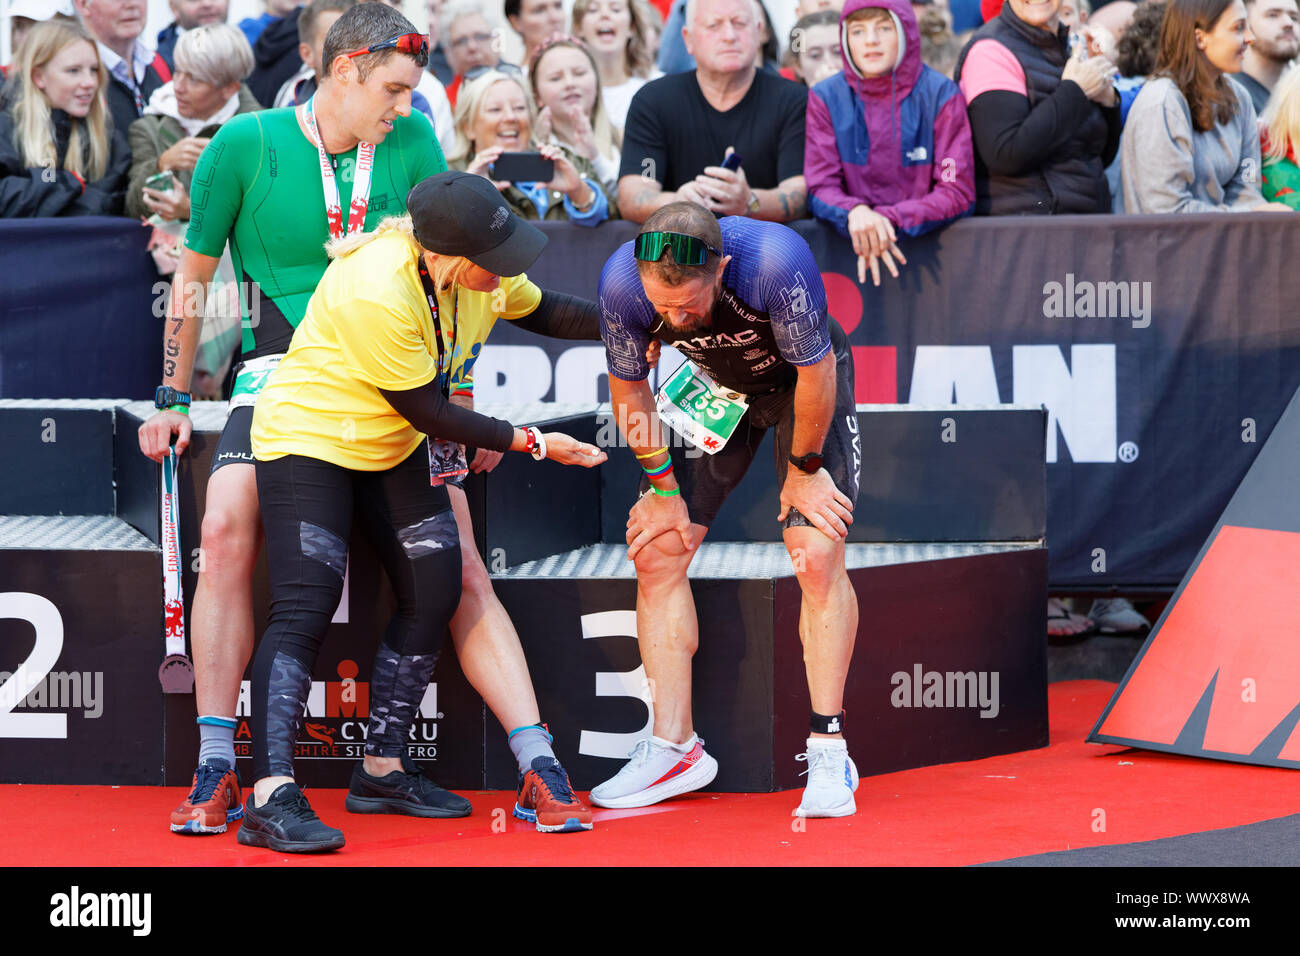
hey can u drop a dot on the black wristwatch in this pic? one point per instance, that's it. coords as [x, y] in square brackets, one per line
[166, 397]
[811, 463]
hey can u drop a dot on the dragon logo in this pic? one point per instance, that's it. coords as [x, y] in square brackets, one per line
[174, 619]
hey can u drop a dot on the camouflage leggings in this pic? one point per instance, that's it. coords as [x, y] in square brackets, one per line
[307, 511]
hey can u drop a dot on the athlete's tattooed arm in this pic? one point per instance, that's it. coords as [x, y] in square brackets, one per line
[184, 320]
[182, 325]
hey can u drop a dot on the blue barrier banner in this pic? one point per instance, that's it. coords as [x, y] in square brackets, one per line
[1163, 347]
[77, 309]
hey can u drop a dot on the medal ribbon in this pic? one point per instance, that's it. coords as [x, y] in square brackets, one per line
[360, 185]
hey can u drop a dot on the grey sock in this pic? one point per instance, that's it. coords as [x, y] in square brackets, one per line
[527, 743]
[217, 740]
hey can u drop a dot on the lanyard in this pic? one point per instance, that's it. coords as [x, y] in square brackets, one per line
[176, 673]
[430, 293]
[173, 597]
[360, 186]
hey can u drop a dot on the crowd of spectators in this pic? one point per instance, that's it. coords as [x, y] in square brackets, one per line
[886, 118]
[1191, 143]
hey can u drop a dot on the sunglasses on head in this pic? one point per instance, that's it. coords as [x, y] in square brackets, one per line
[509, 69]
[687, 250]
[412, 44]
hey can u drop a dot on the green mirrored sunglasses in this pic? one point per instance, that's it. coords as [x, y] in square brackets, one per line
[687, 250]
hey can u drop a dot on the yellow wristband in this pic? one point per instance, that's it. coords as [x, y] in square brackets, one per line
[651, 454]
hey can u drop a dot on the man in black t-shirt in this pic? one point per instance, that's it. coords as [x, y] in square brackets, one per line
[681, 127]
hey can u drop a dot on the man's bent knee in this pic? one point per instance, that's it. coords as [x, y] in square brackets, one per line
[229, 539]
[665, 558]
[818, 561]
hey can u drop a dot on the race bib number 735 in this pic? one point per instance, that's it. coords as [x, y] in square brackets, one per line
[703, 412]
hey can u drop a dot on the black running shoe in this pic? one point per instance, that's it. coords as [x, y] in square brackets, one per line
[287, 823]
[405, 791]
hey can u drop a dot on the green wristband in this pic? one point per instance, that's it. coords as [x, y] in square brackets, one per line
[183, 409]
[666, 494]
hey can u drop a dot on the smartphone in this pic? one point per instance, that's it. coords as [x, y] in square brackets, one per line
[732, 162]
[529, 167]
[163, 182]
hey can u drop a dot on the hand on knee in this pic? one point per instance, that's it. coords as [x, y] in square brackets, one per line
[663, 561]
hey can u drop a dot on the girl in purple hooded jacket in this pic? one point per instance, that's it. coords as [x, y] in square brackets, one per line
[887, 147]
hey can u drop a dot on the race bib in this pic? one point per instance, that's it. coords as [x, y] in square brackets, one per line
[251, 378]
[703, 412]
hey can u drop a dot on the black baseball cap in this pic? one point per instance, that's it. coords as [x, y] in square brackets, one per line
[460, 214]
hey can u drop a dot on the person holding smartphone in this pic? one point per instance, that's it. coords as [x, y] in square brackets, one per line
[1044, 123]
[494, 128]
[341, 425]
[183, 115]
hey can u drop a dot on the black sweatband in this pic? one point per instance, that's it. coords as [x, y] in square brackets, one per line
[821, 724]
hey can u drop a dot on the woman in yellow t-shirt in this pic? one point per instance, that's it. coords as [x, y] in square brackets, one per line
[341, 425]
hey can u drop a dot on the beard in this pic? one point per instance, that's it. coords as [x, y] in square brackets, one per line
[697, 322]
[1280, 50]
[691, 325]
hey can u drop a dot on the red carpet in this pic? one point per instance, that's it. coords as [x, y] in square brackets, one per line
[957, 814]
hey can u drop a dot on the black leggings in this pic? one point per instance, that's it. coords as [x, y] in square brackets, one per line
[307, 511]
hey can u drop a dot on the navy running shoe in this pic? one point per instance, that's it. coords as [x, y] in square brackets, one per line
[287, 823]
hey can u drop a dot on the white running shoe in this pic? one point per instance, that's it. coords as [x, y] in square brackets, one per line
[657, 770]
[832, 778]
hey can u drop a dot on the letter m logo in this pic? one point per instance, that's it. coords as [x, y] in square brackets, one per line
[1232, 622]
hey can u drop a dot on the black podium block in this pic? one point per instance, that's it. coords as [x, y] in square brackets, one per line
[523, 509]
[58, 457]
[922, 690]
[575, 614]
[80, 645]
[928, 474]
